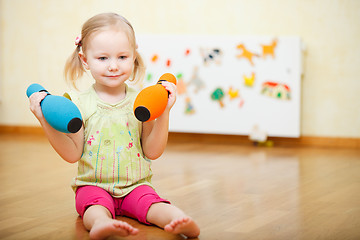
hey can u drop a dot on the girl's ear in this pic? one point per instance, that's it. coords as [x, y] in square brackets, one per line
[84, 61]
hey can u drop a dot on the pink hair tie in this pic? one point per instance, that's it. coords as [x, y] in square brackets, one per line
[78, 41]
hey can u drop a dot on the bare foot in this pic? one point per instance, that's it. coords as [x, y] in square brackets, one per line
[111, 227]
[184, 226]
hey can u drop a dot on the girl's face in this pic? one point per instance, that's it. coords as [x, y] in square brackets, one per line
[110, 58]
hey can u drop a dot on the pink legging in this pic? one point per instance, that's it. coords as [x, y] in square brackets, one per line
[135, 205]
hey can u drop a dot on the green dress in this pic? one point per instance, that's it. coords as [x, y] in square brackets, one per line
[113, 158]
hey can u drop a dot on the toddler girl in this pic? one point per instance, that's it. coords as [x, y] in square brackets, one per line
[113, 149]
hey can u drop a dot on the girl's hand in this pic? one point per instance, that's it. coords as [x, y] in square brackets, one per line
[68, 146]
[172, 89]
[35, 100]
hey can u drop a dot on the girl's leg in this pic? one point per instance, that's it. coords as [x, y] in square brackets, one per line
[172, 220]
[94, 205]
[98, 220]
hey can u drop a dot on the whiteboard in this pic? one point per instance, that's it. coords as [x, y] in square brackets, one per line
[229, 84]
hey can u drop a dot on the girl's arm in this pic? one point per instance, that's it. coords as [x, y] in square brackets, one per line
[155, 133]
[68, 146]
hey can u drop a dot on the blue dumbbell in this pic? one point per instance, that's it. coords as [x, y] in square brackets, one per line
[61, 113]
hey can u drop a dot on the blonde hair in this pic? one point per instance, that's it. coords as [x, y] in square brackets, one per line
[74, 69]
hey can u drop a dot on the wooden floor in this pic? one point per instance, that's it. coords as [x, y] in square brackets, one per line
[232, 191]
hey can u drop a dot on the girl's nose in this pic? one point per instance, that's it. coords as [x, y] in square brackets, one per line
[113, 66]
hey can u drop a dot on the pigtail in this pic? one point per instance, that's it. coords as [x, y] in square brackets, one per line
[73, 67]
[139, 68]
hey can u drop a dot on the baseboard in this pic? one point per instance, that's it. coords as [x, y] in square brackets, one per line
[303, 141]
[175, 137]
[5, 129]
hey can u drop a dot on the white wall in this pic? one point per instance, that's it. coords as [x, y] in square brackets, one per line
[38, 35]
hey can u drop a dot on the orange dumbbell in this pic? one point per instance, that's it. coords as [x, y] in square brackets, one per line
[151, 102]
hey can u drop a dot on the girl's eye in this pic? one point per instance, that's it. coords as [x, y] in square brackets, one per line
[122, 57]
[102, 58]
